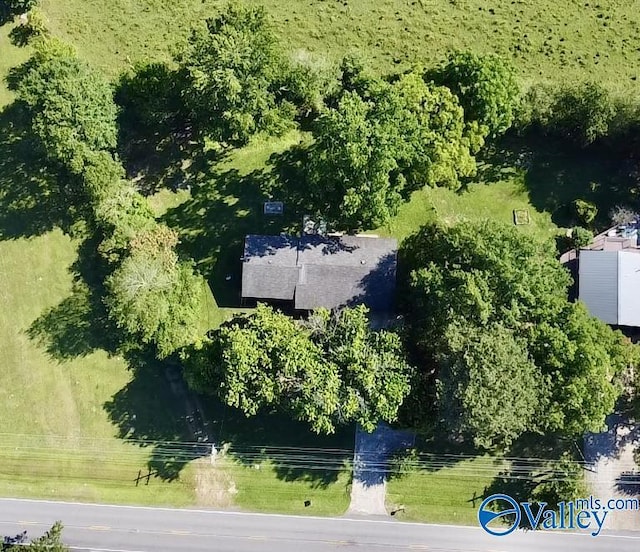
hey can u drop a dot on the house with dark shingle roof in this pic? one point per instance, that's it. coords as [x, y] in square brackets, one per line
[315, 271]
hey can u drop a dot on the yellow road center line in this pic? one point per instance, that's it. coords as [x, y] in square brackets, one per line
[28, 522]
[178, 532]
[99, 528]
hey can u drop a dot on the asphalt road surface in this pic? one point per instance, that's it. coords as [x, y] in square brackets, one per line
[134, 529]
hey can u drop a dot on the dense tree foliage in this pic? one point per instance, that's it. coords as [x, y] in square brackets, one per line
[480, 276]
[307, 80]
[71, 104]
[382, 142]
[151, 294]
[486, 87]
[580, 113]
[488, 385]
[154, 295]
[233, 70]
[151, 96]
[328, 370]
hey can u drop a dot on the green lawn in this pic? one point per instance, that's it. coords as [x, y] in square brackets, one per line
[449, 495]
[10, 56]
[259, 488]
[71, 450]
[546, 39]
[495, 200]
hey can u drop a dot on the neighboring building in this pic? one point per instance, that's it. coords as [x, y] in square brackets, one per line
[609, 276]
[319, 271]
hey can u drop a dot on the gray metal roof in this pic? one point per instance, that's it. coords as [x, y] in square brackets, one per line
[608, 284]
[317, 271]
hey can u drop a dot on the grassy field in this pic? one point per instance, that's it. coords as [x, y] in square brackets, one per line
[449, 495]
[10, 57]
[72, 450]
[546, 39]
[259, 488]
[495, 200]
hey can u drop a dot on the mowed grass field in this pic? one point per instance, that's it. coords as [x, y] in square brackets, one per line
[56, 438]
[558, 41]
[449, 495]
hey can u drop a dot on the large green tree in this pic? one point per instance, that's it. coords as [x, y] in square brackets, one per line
[234, 70]
[489, 387]
[153, 295]
[486, 86]
[481, 275]
[328, 370]
[70, 103]
[380, 142]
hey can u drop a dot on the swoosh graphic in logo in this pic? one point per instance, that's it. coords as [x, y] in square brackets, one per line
[486, 515]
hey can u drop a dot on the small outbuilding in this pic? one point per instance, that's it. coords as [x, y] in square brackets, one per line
[609, 276]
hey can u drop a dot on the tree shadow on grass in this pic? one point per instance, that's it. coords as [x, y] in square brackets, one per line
[148, 413]
[31, 203]
[224, 207]
[79, 324]
[629, 483]
[541, 468]
[294, 452]
[556, 174]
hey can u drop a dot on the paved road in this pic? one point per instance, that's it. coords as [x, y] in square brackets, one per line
[133, 529]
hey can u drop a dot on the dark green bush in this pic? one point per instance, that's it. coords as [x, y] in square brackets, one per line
[581, 237]
[585, 210]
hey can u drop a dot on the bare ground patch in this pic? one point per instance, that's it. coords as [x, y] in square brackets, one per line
[214, 486]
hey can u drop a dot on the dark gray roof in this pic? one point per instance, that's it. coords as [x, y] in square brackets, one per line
[269, 268]
[317, 271]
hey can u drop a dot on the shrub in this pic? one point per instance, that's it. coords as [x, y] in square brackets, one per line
[585, 210]
[581, 237]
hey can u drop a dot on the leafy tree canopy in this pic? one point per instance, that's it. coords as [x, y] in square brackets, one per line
[328, 370]
[71, 104]
[480, 276]
[373, 149]
[488, 385]
[580, 113]
[486, 86]
[153, 294]
[233, 70]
